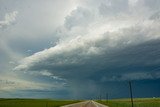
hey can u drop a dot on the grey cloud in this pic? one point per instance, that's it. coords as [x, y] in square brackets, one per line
[68, 62]
[155, 16]
[85, 47]
[7, 55]
[79, 17]
[8, 19]
[109, 50]
[152, 4]
[111, 7]
[92, 50]
[132, 76]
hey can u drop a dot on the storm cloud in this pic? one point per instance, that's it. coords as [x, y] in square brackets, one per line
[93, 46]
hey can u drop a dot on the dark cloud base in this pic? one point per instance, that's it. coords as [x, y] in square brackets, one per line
[108, 73]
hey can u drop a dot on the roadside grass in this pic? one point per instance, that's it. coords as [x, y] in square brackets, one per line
[35, 102]
[138, 102]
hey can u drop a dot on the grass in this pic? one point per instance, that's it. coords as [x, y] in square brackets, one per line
[138, 102]
[34, 102]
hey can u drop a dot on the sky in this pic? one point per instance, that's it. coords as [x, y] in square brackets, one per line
[79, 49]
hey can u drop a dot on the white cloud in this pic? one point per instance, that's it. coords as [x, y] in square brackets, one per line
[83, 47]
[8, 19]
[8, 83]
[45, 73]
[48, 74]
[14, 81]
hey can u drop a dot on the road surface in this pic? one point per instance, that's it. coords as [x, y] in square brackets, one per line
[89, 103]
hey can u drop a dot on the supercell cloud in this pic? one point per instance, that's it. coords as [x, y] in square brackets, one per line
[96, 46]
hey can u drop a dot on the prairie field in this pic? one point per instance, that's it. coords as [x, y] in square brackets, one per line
[34, 102]
[138, 102]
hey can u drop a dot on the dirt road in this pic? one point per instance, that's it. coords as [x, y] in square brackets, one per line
[89, 103]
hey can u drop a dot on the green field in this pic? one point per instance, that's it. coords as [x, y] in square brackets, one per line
[138, 102]
[141, 102]
[34, 102]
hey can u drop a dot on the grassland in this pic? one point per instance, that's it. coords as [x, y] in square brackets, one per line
[34, 102]
[139, 102]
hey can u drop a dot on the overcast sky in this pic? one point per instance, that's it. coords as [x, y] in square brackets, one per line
[72, 49]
